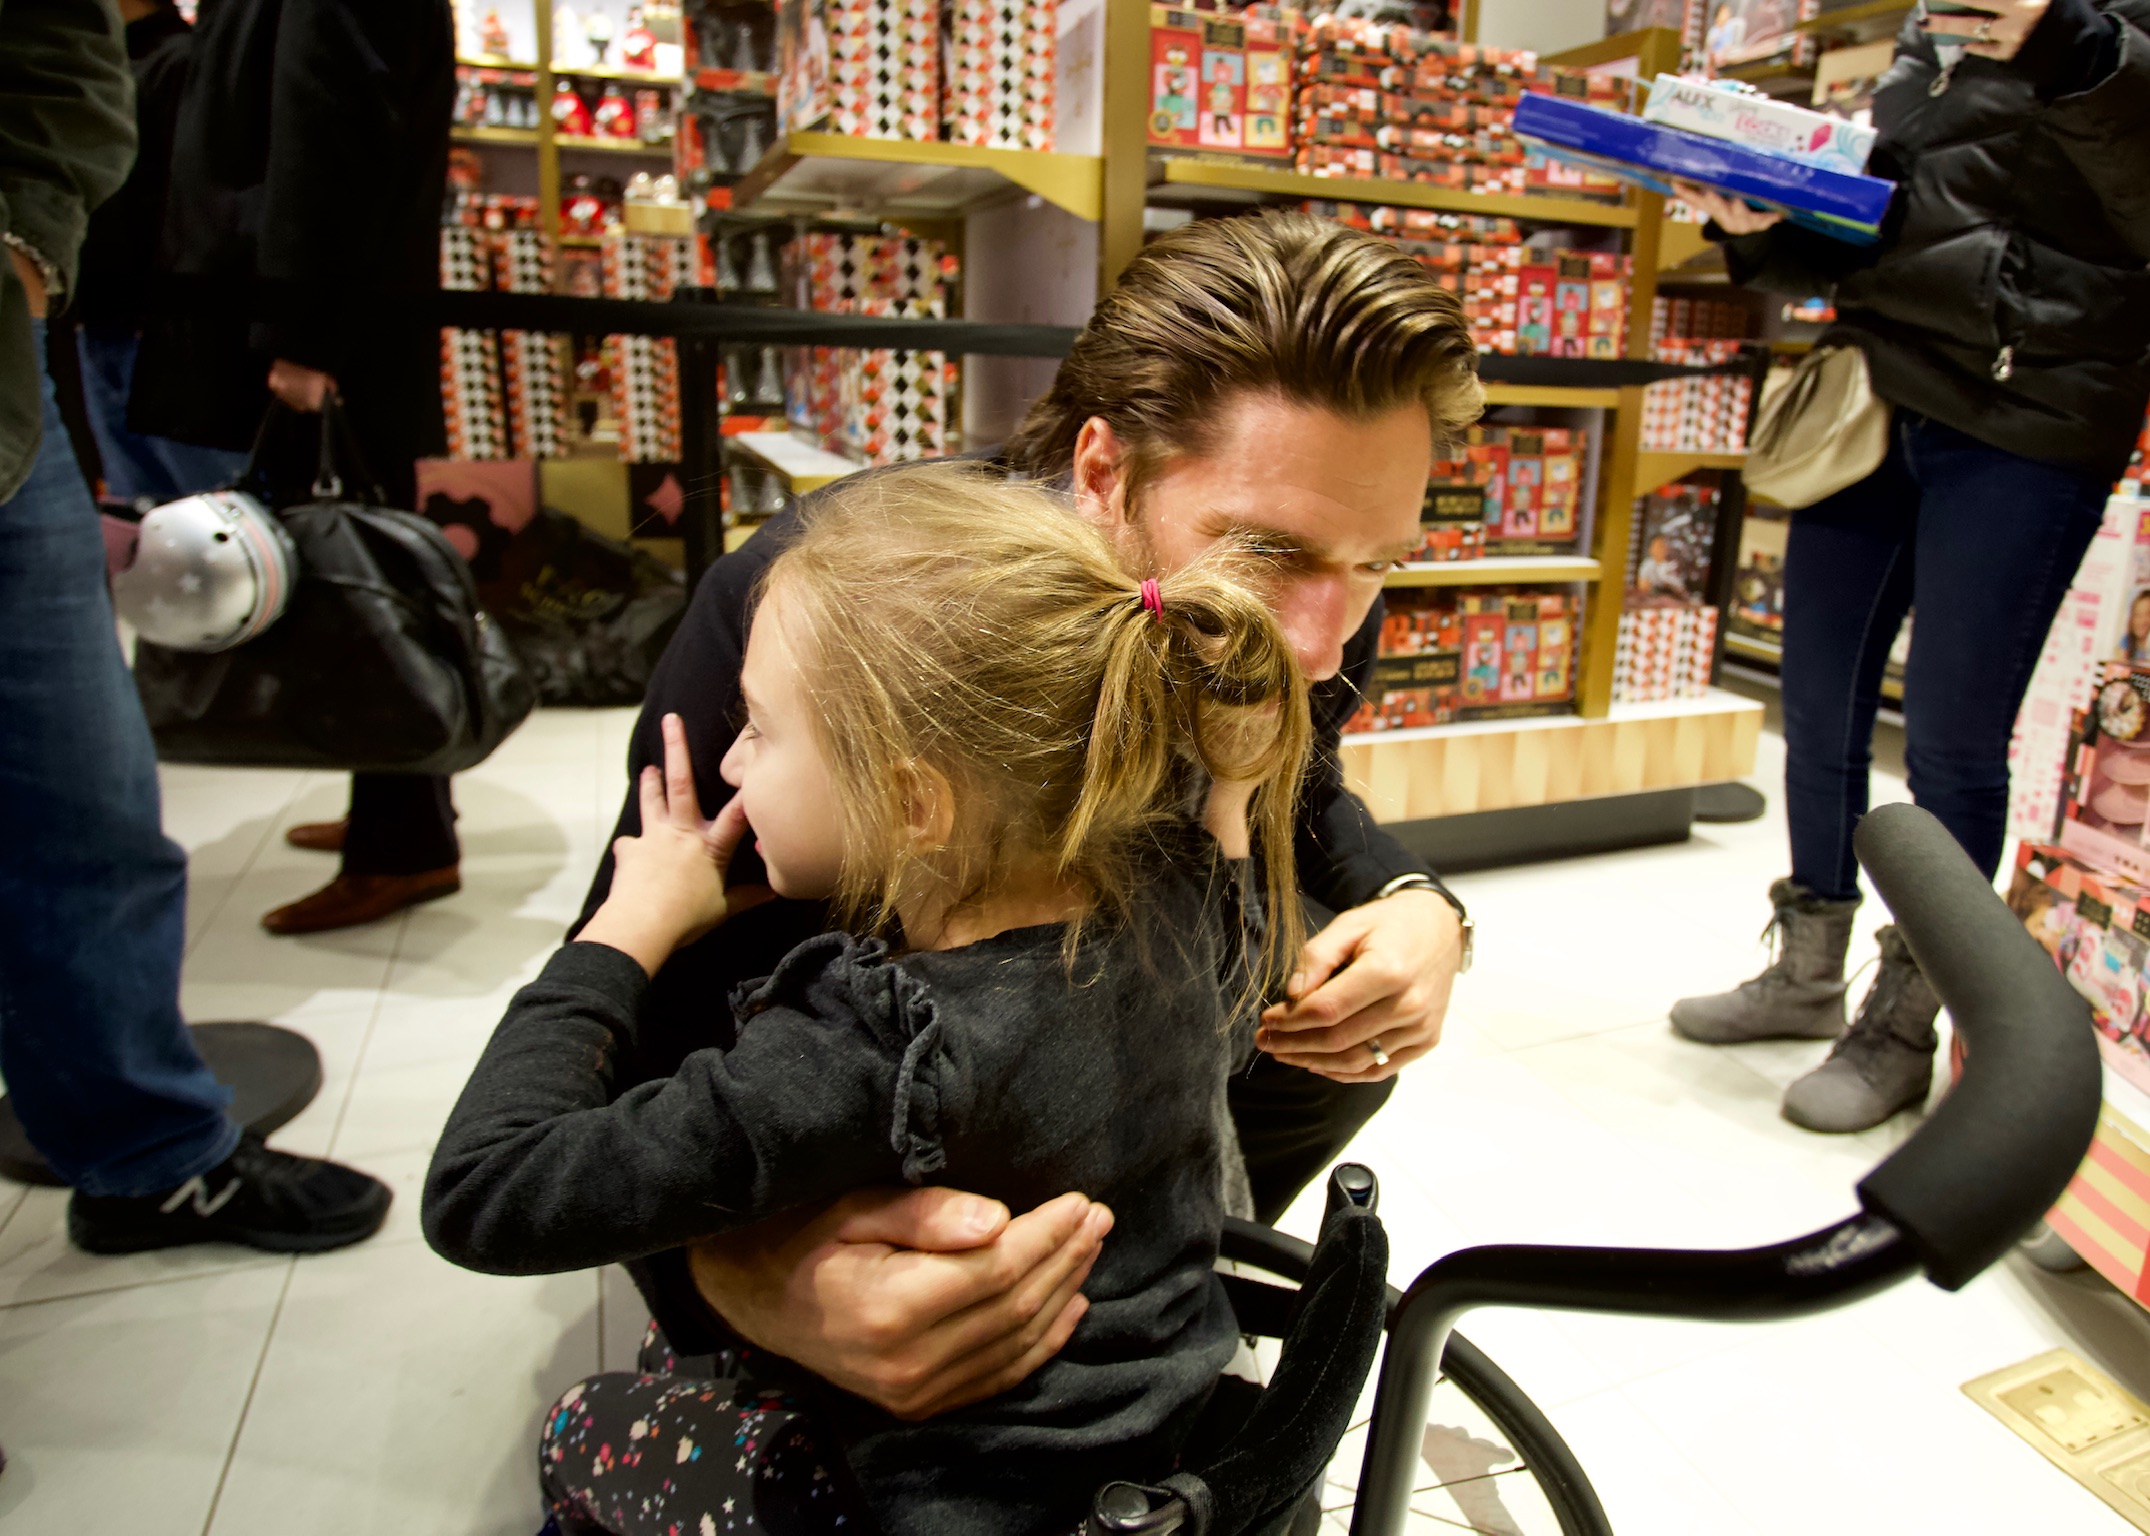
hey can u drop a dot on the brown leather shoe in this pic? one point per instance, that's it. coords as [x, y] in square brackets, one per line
[349, 900]
[319, 836]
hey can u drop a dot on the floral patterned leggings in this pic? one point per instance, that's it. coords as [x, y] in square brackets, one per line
[690, 1448]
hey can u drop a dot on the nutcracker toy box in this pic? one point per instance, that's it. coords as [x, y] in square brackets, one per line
[2096, 926]
[1220, 83]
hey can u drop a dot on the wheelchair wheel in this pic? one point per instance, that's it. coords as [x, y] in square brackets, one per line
[1491, 1462]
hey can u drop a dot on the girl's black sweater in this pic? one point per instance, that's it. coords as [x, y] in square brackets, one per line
[995, 1068]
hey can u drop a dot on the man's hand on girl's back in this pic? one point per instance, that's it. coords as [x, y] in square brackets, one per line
[920, 1300]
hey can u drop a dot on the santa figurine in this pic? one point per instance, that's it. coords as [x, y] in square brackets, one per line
[493, 35]
[570, 113]
[615, 116]
[638, 44]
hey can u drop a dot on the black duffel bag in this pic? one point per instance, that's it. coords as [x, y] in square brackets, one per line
[382, 663]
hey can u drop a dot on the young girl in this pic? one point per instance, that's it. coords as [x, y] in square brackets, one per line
[981, 740]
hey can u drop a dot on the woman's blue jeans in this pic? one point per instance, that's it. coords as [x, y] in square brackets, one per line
[98, 1062]
[1983, 543]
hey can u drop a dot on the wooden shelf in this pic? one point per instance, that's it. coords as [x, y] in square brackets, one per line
[803, 467]
[525, 138]
[1680, 243]
[1653, 469]
[834, 170]
[1491, 765]
[1550, 394]
[1495, 570]
[1748, 648]
[526, 66]
[1868, 23]
[753, 82]
[613, 146]
[614, 72]
[1196, 175]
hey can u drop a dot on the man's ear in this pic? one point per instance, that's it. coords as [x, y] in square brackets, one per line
[1100, 475]
[929, 808]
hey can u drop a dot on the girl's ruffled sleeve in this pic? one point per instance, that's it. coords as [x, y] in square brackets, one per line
[840, 1079]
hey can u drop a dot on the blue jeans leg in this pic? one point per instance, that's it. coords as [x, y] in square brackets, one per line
[98, 1062]
[1983, 543]
[139, 467]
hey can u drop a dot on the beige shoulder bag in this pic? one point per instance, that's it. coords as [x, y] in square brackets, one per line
[1821, 428]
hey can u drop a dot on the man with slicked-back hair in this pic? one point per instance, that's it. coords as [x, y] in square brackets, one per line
[1277, 378]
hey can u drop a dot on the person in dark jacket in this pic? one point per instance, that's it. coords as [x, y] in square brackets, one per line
[119, 273]
[1279, 377]
[301, 235]
[100, 1068]
[2005, 317]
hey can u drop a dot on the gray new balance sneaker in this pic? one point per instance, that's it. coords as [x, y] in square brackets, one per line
[1884, 1062]
[1800, 996]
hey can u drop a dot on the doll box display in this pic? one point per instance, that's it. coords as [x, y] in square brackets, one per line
[2106, 799]
[1220, 83]
[2096, 926]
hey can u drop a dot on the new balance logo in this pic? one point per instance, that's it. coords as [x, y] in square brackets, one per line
[196, 1192]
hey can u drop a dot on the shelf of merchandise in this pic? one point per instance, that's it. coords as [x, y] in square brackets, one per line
[1868, 23]
[1561, 395]
[803, 467]
[529, 66]
[1497, 765]
[834, 170]
[523, 138]
[1770, 655]
[647, 77]
[569, 143]
[755, 81]
[1191, 176]
[1494, 570]
[1655, 468]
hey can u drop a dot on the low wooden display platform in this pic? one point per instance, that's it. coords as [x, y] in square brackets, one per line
[1492, 765]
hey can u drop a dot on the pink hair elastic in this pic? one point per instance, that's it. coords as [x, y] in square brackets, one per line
[1153, 600]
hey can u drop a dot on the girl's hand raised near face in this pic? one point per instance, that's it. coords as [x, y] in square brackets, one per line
[668, 884]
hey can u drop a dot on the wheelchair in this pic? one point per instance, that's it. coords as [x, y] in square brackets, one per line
[1980, 1172]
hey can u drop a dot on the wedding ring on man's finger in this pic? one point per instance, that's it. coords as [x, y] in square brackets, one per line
[1984, 34]
[1381, 1057]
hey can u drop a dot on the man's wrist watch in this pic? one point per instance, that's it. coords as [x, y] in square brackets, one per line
[1428, 883]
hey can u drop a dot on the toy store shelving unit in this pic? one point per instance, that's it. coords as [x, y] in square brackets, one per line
[1603, 776]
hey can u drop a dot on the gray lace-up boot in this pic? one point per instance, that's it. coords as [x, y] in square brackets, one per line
[1884, 1062]
[1800, 996]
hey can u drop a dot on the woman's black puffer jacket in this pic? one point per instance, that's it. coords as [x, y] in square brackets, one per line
[2010, 295]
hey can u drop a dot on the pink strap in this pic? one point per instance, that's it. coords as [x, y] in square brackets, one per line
[1153, 601]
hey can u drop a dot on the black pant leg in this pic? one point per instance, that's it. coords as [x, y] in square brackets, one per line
[401, 824]
[1292, 1125]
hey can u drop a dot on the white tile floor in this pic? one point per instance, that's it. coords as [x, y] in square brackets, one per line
[223, 1393]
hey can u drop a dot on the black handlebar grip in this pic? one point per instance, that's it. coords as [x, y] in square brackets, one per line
[2006, 1139]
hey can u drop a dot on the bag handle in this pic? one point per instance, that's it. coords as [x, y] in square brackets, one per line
[328, 484]
[329, 481]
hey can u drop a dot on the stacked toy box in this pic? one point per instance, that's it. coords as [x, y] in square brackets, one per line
[1723, 135]
[1384, 101]
[1665, 651]
[875, 405]
[2096, 926]
[644, 370]
[2098, 622]
[1478, 654]
[1525, 485]
[1221, 83]
[997, 73]
[504, 394]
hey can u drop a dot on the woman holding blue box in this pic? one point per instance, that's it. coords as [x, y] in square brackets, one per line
[2004, 319]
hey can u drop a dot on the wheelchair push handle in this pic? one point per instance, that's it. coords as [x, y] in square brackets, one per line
[2001, 1146]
